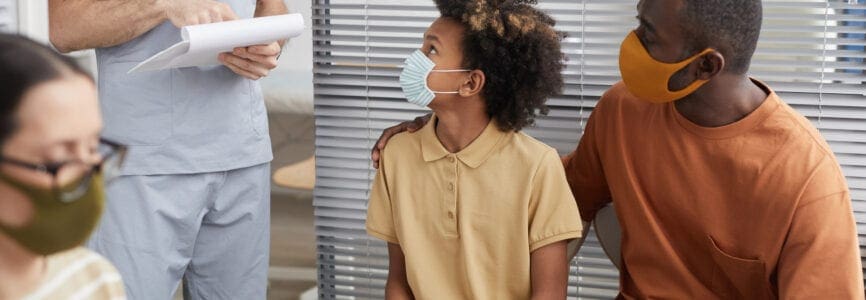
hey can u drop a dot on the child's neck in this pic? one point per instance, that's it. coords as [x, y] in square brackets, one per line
[456, 129]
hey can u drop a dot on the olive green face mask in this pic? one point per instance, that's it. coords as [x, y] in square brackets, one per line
[57, 225]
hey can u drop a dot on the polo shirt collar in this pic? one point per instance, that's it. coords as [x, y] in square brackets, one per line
[473, 155]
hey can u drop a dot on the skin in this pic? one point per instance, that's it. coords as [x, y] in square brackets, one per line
[59, 121]
[397, 286]
[725, 99]
[462, 118]
[85, 24]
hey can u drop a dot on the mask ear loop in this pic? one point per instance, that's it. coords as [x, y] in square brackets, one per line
[684, 64]
[448, 71]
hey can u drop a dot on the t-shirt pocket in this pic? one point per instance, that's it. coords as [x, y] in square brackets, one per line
[137, 107]
[736, 277]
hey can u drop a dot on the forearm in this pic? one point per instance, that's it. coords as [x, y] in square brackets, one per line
[266, 8]
[85, 24]
[397, 286]
[549, 272]
[397, 290]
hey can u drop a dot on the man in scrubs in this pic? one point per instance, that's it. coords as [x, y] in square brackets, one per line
[194, 200]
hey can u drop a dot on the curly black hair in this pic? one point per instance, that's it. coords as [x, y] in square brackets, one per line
[517, 48]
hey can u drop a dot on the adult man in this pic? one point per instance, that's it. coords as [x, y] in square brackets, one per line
[194, 201]
[722, 190]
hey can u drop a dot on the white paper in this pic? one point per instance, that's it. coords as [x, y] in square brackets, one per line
[202, 44]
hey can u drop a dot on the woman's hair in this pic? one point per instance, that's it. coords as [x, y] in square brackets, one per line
[517, 48]
[25, 64]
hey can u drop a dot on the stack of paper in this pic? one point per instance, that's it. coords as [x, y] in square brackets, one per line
[202, 44]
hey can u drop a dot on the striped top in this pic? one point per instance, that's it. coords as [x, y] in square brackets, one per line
[79, 274]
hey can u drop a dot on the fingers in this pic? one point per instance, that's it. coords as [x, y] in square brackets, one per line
[376, 152]
[375, 157]
[415, 124]
[199, 12]
[412, 126]
[226, 12]
[232, 62]
[272, 49]
[255, 68]
[418, 123]
[267, 61]
[388, 133]
[245, 62]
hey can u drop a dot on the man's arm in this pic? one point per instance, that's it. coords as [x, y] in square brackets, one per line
[397, 286]
[585, 172]
[84, 24]
[548, 268]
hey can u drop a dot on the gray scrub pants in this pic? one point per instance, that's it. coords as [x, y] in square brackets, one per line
[211, 229]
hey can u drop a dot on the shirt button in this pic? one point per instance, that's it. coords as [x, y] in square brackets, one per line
[451, 159]
[450, 186]
[450, 215]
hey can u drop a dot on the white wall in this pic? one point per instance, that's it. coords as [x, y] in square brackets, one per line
[289, 88]
[33, 19]
[298, 53]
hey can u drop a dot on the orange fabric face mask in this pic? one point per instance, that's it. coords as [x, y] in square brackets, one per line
[647, 78]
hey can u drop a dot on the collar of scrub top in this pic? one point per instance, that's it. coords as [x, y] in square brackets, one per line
[473, 155]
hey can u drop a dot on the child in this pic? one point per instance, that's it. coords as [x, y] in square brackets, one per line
[470, 207]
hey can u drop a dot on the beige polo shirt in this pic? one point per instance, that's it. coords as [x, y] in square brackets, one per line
[467, 222]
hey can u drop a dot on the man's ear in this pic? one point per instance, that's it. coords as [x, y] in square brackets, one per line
[709, 65]
[473, 84]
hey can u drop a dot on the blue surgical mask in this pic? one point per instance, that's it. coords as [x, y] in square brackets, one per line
[414, 79]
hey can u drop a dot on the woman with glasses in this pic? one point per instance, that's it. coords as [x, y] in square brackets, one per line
[53, 166]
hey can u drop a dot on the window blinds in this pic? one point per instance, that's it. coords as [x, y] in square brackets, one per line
[8, 16]
[811, 52]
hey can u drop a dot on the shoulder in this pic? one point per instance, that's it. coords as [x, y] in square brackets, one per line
[406, 142]
[402, 144]
[805, 154]
[81, 272]
[82, 260]
[402, 141]
[529, 149]
[617, 103]
[803, 128]
[800, 138]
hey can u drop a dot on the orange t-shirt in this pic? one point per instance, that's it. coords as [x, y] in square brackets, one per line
[756, 209]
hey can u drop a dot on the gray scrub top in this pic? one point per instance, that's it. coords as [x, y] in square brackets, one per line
[181, 121]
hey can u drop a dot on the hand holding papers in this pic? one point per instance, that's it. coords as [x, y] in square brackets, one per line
[202, 44]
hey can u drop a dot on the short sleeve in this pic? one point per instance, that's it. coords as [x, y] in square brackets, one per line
[553, 214]
[821, 254]
[585, 173]
[380, 218]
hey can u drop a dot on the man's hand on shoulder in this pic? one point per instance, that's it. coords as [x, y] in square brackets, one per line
[410, 126]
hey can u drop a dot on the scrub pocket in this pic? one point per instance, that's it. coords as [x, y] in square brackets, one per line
[137, 108]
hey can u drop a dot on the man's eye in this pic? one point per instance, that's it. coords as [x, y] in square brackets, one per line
[433, 50]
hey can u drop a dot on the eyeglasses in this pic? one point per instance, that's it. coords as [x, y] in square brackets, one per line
[72, 179]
